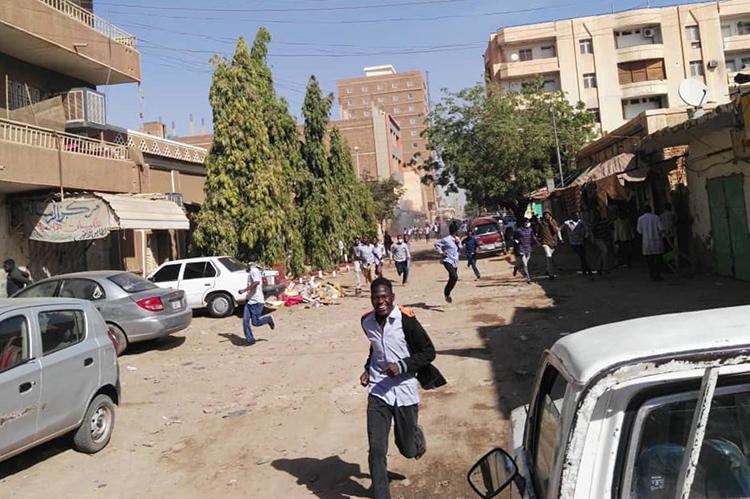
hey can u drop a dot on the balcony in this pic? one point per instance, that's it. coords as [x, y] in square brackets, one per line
[643, 88]
[533, 67]
[640, 52]
[737, 42]
[33, 157]
[60, 36]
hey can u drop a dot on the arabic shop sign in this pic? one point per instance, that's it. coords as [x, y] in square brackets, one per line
[75, 219]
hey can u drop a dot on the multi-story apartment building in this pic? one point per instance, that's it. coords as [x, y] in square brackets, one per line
[624, 63]
[61, 162]
[403, 96]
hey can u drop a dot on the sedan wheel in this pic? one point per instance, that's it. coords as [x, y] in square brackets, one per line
[220, 305]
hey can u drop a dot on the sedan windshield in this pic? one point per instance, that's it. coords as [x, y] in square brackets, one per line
[232, 264]
[485, 229]
[131, 283]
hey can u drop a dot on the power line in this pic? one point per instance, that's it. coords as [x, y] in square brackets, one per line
[297, 9]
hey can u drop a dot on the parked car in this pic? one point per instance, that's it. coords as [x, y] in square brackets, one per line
[640, 408]
[58, 374]
[135, 309]
[489, 234]
[211, 282]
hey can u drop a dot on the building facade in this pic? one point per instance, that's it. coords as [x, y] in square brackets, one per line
[57, 149]
[404, 96]
[624, 63]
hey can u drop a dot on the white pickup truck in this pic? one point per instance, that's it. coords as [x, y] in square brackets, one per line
[657, 407]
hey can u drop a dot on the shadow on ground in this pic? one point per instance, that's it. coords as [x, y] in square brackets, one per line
[329, 478]
[515, 344]
[161, 344]
[36, 455]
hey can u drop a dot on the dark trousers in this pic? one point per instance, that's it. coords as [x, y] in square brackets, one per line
[654, 266]
[473, 263]
[402, 268]
[625, 252]
[409, 439]
[452, 278]
[580, 250]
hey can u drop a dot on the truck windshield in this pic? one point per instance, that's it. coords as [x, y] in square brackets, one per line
[485, 229]
[547, 431]
[662, 428]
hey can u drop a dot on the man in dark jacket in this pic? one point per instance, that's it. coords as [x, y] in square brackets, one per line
[400, 355]
[16, 278]
[471, 245]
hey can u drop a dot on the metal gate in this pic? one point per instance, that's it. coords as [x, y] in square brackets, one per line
[731, 242]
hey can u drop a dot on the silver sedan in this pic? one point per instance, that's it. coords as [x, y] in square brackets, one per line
[134, 308]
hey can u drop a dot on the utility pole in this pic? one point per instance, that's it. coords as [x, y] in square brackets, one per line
[356, 152]
[557, 147]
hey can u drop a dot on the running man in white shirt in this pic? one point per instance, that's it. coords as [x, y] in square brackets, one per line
[254, 304]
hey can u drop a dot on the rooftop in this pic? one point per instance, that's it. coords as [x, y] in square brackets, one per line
[592, 351]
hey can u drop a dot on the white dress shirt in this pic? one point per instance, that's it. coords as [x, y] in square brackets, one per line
[389, 346]
[649, 227]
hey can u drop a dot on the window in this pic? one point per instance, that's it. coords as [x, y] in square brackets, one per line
[525, 55]
[586, 46]
[548, 52]
[199, 270]
[349, 102]
[660, 437]
[589, 80]
[549, 85]
[167, 273]
[380, 86]
[692, 33]
[413, 121]
[696, 68]
[410, 96]
[745, 62]
[60, 329]
[132, 283]
[695, 45]
[232, 264]
[743, 28]
[394, 84]
[411, 108]
[637, 71]
[365, 100]
[367, 113]
[83, 289]
[409, 83]
[14, 342]
[395, 98]
[396, 110]
[414, 145]
[18, 97]
[349, 90]
[41, 290]
[595, 112]
[726, 30]
[364, 89]
[413, 133]
[731, 67]
[547, 429]
[380, 99]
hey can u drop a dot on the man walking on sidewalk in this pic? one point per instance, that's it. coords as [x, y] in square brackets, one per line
[649, 227]
[575, 229]
[548, 233]
[447, 247]
[254, 304]
[401, 255]
[523, 239]
[400, 354]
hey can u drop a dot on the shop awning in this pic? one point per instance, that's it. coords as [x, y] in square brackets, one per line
[137, 212]
[618, 164]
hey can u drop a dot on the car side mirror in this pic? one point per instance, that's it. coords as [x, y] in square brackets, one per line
[492, 473]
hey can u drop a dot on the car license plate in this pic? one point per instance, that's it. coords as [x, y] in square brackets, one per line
[176, 305]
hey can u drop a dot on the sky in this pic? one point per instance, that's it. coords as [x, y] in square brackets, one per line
[331, 39]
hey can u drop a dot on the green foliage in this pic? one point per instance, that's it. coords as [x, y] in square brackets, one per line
[248, 198]
[386, 194]
[498, 146]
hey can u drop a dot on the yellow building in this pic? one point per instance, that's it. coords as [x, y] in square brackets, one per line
[624, 63]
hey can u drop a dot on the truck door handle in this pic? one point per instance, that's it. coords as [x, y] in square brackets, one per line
[88, 361]
[25, 387]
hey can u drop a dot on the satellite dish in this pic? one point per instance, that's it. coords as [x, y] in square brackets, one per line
[514, 57]
[693, 92]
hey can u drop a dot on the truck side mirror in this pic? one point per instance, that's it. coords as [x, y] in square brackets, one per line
[492, 473]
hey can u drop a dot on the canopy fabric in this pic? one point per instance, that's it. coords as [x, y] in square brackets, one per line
[136, 212]
[618, 164]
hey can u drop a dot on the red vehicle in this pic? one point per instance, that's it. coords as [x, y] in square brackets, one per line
[489, 233]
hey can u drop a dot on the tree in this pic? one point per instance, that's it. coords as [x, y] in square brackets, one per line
[247, 196]
[386, 194]
[499, 146]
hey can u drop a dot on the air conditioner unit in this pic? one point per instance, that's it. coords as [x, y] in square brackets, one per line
[712, 64]
[649, 33]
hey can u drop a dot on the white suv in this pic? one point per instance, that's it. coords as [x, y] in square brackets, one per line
[209, 282]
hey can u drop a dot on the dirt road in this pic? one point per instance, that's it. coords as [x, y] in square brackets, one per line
[203, 416]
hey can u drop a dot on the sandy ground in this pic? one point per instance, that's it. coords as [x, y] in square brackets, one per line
[203, 416]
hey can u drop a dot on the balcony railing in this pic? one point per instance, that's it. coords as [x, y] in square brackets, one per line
[167, 148]
[43, 138]
[92, 21]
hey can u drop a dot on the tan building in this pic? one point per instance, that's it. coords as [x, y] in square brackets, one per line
[403, 96]
[376, 145]
[57, 149]
[621, 64]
